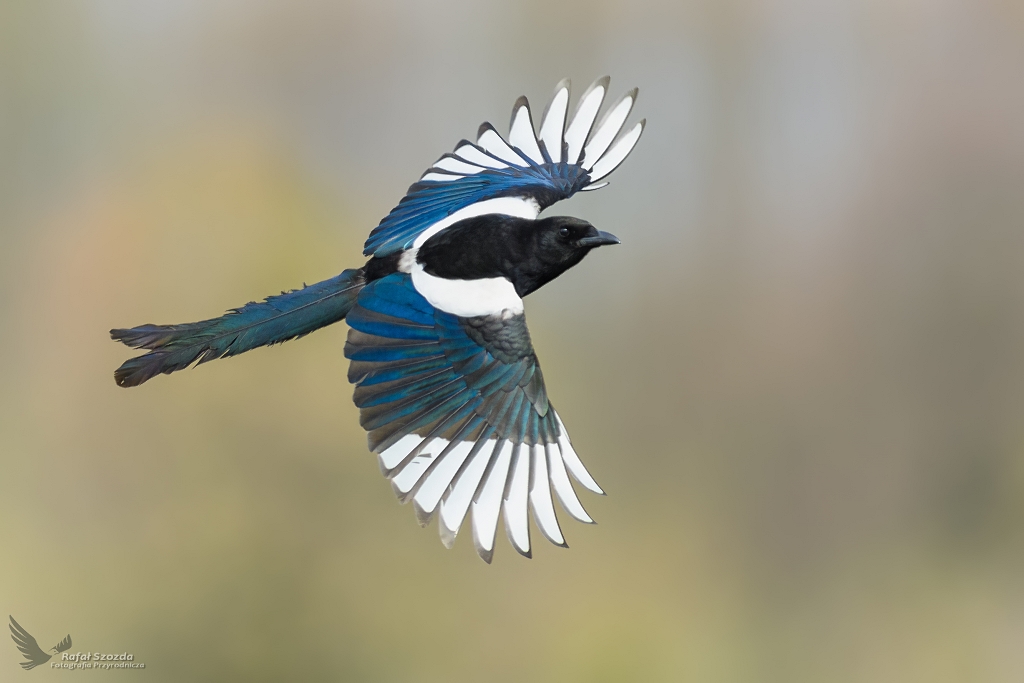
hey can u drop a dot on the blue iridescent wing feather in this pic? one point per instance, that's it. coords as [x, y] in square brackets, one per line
[430, 201]
[567, 157]
[435, 389]
[411, 353]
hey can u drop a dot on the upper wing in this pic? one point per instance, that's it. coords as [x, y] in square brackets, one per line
[457, 409]
[28, 646]
[519, 176]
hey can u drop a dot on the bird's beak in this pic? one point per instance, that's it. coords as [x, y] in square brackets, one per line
[599, 240]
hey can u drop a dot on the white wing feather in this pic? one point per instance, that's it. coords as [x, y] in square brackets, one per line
[500, 475]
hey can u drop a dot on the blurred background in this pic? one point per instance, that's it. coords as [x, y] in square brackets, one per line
[800, 379]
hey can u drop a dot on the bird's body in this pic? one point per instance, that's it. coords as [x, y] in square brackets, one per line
[447, 382]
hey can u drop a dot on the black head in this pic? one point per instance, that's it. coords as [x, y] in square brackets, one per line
[564, 240]
[530, 253]
[557, 244]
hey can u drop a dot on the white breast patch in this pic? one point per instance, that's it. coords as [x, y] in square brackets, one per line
[466, 298]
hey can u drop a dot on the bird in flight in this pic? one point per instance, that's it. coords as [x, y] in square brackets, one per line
[30, 648]
[446, 379]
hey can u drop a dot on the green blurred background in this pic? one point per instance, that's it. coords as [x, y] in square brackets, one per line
[800, 379]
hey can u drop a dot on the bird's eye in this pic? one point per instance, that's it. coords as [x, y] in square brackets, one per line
[564, 232]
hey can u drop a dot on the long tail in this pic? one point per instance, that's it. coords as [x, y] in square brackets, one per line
[275, 320]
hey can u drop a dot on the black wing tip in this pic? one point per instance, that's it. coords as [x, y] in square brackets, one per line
[522, 101]
[601, 82]
[483, 128]
[527, 553]
[422, 516]
[486, 555]
[561, 544]
[447, 536]
[399, 494]
[563, 84]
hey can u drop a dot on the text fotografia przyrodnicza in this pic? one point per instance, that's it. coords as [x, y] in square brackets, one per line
[97, 660]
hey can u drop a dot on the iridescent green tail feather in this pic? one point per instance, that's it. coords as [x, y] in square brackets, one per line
[277, 319]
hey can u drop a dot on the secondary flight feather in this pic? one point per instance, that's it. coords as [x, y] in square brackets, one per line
[448, 385]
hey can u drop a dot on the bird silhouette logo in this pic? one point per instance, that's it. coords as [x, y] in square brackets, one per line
[30, 648]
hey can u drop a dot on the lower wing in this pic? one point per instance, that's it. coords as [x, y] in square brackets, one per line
[457, 410]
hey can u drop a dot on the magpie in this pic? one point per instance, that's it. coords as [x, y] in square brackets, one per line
[446, 379]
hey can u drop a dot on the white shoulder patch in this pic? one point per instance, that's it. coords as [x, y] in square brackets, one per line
[521, 207]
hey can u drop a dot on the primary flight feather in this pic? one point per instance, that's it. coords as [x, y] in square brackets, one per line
[446, 379]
